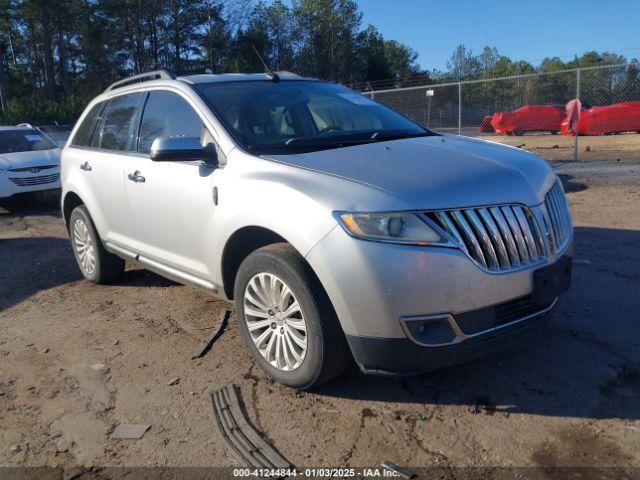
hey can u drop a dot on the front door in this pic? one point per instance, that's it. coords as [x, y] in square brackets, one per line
[171, 202]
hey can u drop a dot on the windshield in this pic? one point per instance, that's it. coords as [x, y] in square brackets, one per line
[28, 140]
[302, 116]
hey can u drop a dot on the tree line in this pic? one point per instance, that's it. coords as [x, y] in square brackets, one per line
[57, 54]
[552, 82]
[511, 84]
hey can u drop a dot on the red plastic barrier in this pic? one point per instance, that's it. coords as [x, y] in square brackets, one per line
[616, 118]
[486, 126]
[530, 118]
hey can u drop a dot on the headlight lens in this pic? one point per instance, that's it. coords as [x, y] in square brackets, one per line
[395, 227]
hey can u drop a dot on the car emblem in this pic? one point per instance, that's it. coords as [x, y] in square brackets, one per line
[35, 170]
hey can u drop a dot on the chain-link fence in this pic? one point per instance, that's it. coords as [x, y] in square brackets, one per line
[530, 111]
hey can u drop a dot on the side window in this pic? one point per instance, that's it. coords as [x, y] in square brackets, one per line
[82, 138]
[166, 114]
[119, 125]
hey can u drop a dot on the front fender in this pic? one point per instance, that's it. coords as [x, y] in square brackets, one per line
[295, 203]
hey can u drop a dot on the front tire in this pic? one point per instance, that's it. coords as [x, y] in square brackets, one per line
[287, 320]
[96, 264]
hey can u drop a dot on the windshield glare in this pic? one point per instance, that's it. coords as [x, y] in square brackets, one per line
[12, 141]
[294, 116]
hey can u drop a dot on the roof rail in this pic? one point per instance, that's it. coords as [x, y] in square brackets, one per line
[142, 77]
[287, 72]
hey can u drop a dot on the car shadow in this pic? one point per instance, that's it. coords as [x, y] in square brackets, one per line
[570, 185]
[139, 277]
[586, 363]
[33, 264]
[46, 202]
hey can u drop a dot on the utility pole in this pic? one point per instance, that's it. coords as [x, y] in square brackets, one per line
[459, 108]
[576, 134]
[430, 93]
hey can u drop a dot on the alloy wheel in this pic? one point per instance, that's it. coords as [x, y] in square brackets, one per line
[275, 321]
[84, 246]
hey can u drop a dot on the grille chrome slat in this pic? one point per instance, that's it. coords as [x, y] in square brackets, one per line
[497, 238]
[517, 234]
[554, 213]
[470, 236]
[486, 245]
[446, 223]
[506, 234]
[526, 231]
[558, 215]
[508, 237]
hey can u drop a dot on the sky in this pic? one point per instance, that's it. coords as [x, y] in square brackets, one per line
[522, 30]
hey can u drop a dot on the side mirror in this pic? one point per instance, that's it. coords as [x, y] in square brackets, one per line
[183, 149]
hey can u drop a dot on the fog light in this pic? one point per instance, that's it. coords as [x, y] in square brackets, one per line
[432, 330]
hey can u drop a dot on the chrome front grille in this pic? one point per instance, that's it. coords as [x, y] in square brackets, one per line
[497, 238]
[36, 180]
[508, 237]
[558, 216]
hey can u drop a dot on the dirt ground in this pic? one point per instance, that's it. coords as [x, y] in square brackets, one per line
[623, 147]
[78, 359]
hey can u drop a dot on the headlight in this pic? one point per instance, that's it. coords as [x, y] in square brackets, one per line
[394, 227]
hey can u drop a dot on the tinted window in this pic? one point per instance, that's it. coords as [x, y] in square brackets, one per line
[118, 127]
[167, 115]
[291, 116]
[82, 137]
[27, 140]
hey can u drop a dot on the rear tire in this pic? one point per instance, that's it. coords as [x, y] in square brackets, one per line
[304, 348]
[96, 264]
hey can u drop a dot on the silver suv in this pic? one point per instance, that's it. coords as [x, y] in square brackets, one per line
[340, 228]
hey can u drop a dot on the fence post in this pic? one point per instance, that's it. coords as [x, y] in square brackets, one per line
[459, 108]
[576, 134]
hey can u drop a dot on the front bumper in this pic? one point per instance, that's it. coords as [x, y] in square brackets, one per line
[372, 286]
[401, 356]
[14, 182]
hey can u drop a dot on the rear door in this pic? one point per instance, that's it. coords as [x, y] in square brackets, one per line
[171, 202]
[113, 143]
[100, 150]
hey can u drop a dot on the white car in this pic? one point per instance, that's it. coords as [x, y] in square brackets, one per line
[29, 161]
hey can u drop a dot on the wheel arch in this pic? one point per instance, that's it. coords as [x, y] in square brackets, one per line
[70, 201]
[242, 243]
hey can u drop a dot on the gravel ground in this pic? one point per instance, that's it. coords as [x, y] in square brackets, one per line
[79, 359]
[623, 147]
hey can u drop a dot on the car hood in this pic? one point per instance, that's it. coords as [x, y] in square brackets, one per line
[437, 172]
[30, 159]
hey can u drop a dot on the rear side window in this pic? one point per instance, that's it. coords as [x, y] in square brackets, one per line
[167, 115]
[119, 124]
[82, 138]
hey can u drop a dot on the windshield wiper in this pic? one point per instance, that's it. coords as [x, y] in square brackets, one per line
[345, 139]
[384, 136]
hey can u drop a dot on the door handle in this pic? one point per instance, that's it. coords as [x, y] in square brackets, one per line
[136, 177]
[86, 167]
